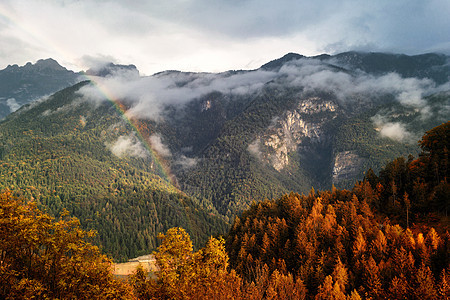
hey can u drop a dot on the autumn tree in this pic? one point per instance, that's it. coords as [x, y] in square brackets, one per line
[184, 274]
[43, 257]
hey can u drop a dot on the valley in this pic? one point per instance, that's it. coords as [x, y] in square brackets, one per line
[131, 155]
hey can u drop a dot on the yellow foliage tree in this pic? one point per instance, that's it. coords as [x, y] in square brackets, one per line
[41, 257]
[184, 274]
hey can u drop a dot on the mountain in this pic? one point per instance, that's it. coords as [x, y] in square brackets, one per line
[21, 85]
[65, 152]
[300, 122]
[336, 244]
[112, 69]
[132, 156]
[359, 239]
[430, 65]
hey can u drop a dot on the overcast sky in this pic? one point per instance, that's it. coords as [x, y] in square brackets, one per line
[214, 35]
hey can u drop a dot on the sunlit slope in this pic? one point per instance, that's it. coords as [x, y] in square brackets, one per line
[66, 152]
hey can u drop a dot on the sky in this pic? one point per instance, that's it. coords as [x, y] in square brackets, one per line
[214, 35]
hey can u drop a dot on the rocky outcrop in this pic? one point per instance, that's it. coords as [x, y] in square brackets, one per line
[294, 128]
[206, 105]
[347, 164]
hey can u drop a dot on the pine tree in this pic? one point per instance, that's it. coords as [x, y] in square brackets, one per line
[444, 285]
[424, 287]
[340, 275]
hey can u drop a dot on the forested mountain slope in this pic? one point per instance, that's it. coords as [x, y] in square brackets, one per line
[65, 152]
[342, 242]
[132, 156]
[336, 244]
[119, 166]
[298, 122]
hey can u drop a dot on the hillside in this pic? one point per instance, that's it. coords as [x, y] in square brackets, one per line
[297, 122]
[335, 244]
[224, 150]
[342, 242]
[60, 153]
[132, 156]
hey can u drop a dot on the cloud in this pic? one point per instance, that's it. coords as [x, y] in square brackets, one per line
[202, 35]
[96, 62]
[394, 130]
[158, 146]
[254, 149]
[12, 104]
[181, 161]
[185, 162]
[315, 75]
[148, 97]
[127, 146]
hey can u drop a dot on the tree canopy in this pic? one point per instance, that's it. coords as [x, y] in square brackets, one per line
[43, 257]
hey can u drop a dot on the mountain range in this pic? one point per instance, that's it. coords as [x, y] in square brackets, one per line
[132, 156]
[21, 85]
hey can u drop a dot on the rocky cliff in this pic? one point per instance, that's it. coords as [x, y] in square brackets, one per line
[347, 165]
[294, 129]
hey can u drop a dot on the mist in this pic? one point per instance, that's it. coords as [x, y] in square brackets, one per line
[158, 146]
[127, 146]
[12, 104]
[149, 97]
[314, 75]
[254, 149]
[393, 130]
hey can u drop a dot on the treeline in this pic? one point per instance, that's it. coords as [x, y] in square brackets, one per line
[330, 252]
[416, 186]
[333, 243]
[337, 244]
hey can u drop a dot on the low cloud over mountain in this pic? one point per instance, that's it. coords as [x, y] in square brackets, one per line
[149, 97]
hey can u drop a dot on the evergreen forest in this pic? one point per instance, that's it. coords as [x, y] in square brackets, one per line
[385, 238]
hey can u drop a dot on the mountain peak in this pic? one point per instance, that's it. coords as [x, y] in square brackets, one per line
[277, 63]
[41, 64]
[49, 63]
[111, 69]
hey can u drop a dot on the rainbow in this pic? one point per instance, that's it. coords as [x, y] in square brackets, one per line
[162, 171]
[9, 18]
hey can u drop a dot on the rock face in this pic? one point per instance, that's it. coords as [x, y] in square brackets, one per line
[206, 105]
[295, 128]
[347, 165]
